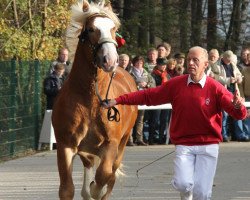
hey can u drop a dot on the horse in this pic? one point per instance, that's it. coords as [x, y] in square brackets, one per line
[81, 125]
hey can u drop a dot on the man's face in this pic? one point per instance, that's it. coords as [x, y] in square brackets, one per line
[63, 56]
[162, 52]
[152, 56]
[244, 55]
[59, 72]
[180, 61]
[196, 63]
[213, 57]
[123, 62]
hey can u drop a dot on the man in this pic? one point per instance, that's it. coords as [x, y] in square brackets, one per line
[124, 62]
[53, 83]
[63, 56]
[244, 62]
[152, 55]
[195, 129]
[164, 50]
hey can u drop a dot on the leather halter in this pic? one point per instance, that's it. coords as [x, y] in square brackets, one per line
[113, 113]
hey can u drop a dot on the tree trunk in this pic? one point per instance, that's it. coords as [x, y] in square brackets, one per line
[143, 34]
[243, 26]
[184, 25]
[44, 21]
[131, 21]
[16, 15]
[32, 40]
[196, 22]
[212, 24]
[229, 34]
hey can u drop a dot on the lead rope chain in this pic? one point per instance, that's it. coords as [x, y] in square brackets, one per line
[113, 113]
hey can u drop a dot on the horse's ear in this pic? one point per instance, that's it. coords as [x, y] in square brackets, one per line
[108, 5]
[85, 6]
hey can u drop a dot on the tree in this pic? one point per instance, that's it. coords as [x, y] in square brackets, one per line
[196, 22]
[212, 24]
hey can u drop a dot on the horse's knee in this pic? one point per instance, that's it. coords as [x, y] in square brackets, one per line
[182, 186]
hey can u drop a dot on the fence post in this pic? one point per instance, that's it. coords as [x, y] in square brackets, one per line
[37, 101]
[12, 123]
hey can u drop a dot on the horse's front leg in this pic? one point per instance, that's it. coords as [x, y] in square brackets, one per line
[87, 179]
[64, 162]
[105, 170]
[116, 167]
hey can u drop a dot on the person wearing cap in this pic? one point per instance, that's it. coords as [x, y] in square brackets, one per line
[180, 63]
[195, 127]
[161, 117]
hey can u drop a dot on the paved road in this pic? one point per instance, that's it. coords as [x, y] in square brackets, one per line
[36, 177]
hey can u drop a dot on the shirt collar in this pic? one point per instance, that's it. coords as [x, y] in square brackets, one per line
[201, 82]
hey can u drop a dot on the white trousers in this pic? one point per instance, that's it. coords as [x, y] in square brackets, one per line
[194, 171]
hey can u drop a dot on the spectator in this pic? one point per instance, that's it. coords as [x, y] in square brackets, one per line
[180, 62]
[152, 55]
[245, 88]
[63, 54]
[244, 61]
[164, 50]
[229, 75]
[171, 68]
[213, 58]
[143, 80]
[53, 84]
[124, 62]
[195, 125]
[160, 120]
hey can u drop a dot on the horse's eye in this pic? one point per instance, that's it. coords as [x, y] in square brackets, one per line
[91, 30]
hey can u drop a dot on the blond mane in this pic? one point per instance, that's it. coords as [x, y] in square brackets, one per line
[78, 21]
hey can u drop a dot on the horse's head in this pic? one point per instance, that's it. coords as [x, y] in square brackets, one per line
[98, 26]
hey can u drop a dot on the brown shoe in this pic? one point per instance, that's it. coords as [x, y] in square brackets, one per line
[129, 143]
[141, 143]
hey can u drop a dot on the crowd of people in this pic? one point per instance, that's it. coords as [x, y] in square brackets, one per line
[159, 66]
[156, 68]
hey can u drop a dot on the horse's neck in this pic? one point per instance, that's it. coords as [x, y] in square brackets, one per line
[84, 73]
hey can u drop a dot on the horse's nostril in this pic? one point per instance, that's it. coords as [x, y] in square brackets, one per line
[104, 59]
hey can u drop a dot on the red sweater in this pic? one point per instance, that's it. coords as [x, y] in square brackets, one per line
[196, 111]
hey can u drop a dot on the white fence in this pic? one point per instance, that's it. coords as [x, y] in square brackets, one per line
[168, 106]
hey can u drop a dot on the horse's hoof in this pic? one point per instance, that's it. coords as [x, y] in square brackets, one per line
[97, 192]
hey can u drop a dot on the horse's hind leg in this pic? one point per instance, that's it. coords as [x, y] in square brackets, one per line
[64, 162]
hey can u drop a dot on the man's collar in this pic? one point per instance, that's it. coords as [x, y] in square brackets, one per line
[201, 82]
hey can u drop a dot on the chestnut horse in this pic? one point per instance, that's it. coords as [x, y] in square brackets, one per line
[80, 123]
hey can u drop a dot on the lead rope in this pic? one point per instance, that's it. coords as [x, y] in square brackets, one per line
[113, 113]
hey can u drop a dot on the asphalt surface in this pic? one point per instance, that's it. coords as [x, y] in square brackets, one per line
[36, 176]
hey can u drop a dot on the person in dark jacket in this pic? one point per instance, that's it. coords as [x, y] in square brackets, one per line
[53, 83]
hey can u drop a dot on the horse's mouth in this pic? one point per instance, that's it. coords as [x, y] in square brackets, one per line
[108, 68]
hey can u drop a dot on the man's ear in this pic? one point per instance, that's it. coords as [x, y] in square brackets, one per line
[206, 64]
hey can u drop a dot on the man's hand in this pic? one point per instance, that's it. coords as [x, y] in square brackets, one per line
[237, 100]
[109, 104]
